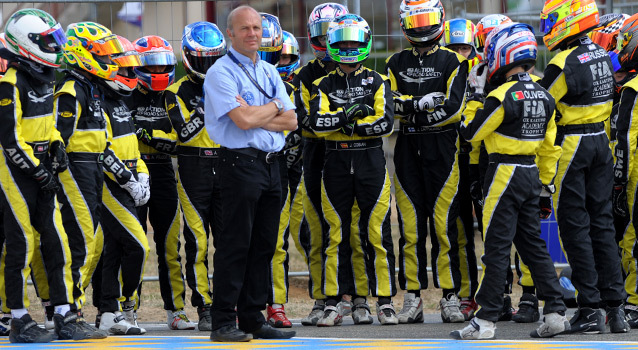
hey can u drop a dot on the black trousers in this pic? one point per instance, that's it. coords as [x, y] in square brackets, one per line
[584, 213]
[199, 197]
[511, 214]
[251, 192]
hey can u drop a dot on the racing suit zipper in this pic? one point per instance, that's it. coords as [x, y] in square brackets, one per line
[351, 166]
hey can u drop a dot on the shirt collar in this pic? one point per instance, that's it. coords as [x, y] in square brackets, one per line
[523, 76]
[355, 73]
[245, 60]
[432, 50]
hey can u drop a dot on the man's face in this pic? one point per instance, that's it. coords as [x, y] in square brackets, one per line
[349, 44]
[462, 49]
[246, 32]
[285, 59]
[619, 76]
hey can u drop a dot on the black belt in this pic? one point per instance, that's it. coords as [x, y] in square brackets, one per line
[198, 152]
[580, 128]
[511, 158]
[268, 157]
[86, 157]
[130, 163]
[314, 139]
[413, 129]
[39, 148]
[156, 158]
[354, 144]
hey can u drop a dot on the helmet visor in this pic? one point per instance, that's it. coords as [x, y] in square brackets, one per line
[318, 28]
[421, 18]
[548, 22]
[51, 40]
[106, 46]
[270, 56]
[200, 61]
[158, 58]
[127, 59]
[348, 34]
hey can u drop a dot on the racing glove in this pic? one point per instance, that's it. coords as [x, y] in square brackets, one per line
[358, 111]
[428, 101]
[545, 202]
[478, 78]
[138, 191]
[619, 200]
[59, 159]
[45, 179]
[143, 135]
[476, 192]
[146, 182]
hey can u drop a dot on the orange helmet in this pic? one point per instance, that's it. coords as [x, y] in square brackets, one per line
[607, 31]
[628, 44]
[485, 26]
[564, 20]
[125, 80]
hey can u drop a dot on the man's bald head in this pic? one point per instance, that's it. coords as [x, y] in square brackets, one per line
[241, 10]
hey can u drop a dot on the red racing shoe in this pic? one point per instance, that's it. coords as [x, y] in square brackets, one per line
[277, 317]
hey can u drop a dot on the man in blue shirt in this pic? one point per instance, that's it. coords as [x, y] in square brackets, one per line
[247, 110]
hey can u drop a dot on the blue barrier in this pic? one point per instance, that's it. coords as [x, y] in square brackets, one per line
[549, 232]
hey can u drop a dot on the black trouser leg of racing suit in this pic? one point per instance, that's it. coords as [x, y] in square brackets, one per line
[359, 175]
[28, 211]
[81, 201]
[584, 213]
[426, 183]
[162, 210]
[125, 246]
[198, 195]
[251, 191]
[467, 254]
[513, 193]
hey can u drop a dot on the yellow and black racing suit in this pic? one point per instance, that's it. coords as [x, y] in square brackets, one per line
[355, 169]
[197, 187]
[77, 106]
[517, 124]
[625, 173]
[426, 163]
[162, 209]
[26, 133]
[580, 78]
[125, 244]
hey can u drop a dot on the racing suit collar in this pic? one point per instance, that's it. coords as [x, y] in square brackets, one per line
[353, 74]
[523, 76]
[583, 40]
[432, 50]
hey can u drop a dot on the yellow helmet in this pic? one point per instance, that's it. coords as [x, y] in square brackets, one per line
[564, 20]
[89, 47]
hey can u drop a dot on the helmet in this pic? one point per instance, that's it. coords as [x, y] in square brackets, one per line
[202, 44]
[607, 30]
[155, 51]
[564, 20]
[3, 62]
[628, 44]
[291, 47]
[418, 14]
[459, 31]
[35, 35]
[125, 81]
[89, 46]
[349, 28]
[318, 23]
[272, 39]
[509, 45]
[485, 26]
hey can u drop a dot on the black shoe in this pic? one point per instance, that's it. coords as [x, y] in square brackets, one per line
[587, 320]
[527, 309]
[229, 333]
[508, 310]
[267, 332]
[205, 318]
[616, 320]
[97, 332]
[25, 330]
[72, 327]
[5, 326]
[631, 315]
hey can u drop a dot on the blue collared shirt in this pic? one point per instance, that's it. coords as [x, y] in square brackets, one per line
[225, 80]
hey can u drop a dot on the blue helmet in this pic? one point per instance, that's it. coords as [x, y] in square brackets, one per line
[202, 44]
[272, 39]
[459, 31]
[291, 47]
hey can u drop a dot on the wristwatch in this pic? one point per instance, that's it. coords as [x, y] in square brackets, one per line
[279, 105]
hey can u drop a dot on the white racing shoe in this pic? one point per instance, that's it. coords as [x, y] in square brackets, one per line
[386, 314]
[115, 323]
[451, 309]
[553, 324]
[177, 320]
[412, 311]
[478, 329]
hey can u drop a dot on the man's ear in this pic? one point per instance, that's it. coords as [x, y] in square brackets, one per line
[229, 32]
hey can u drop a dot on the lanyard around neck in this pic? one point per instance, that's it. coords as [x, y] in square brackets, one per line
[274, 89]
